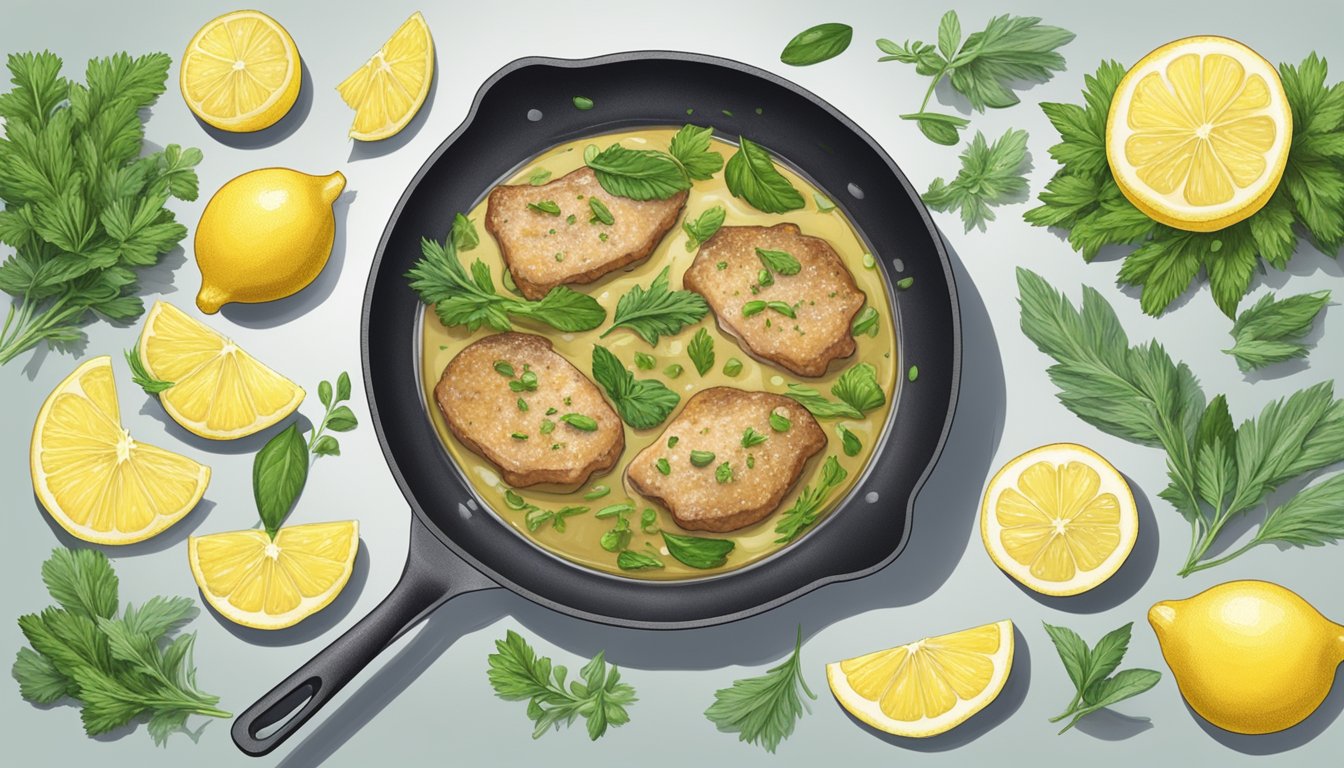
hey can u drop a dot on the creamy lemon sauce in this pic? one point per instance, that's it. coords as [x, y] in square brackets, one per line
[579, 542]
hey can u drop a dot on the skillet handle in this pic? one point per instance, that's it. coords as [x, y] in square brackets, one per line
[432, 576]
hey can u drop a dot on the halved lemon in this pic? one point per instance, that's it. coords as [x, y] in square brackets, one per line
[264, 584]
[929, 686]
[94, 479]
[1059, 519]
[392, 85]
[241, 72]
[1198, 133]
[217, 390]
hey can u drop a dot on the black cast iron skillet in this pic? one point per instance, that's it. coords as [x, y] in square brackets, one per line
[457, 545]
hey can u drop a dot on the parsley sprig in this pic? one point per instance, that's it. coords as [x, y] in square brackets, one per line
[657, 311]
[517, 673]
[763, 710]
[991, 175]
[1083, 199]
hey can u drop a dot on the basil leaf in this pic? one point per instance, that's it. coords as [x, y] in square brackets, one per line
[629, 560]
[580, 421]
[782, 262]
[817, 44]
[723, 473]
[699, 230]
[327, 446]
[698, 552]
[1125, 684]
[691, 148]
[751, 175]
[342, 419]
[278, 475]
[642, 403]
[751, 437]
[343, 387]
[864, 323]
[548, 207]
[701, 351]
[702, 458]
[779, 422]
[601, 213]
[819, 406]
[645, 362]
[1073, 651]
[324, 392]
[940, 129]
[539, 177]
[639, 174]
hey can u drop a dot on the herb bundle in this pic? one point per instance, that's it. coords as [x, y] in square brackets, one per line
[1090, 670]
[1084, 199]
[1218, 471]
[517, 674]
[763, 710]
[81, 208]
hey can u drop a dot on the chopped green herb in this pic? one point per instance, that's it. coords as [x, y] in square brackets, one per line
[723, 473]
[644, 361]
[663, 466]
[781, 262]
[904, 283]
[702, 228]
[753, 308]
[647, 521]
[464, 233]
[547, 207]
[629, 560]
[782, 308]
[672, 441]
[539, 177]
[807, 508]
[614, 510]
[597, 492]
[601, 213]
[779, 422]
[522, 404]
[722, 265]
[697, 551]
[824, 204]
[525, 383]
[990, 175]
[864, 323]
[580, 421]
[551, 411]
[701, 351]
[583, 103]
[673, 371]
[504, 368]
[858, 387]
[701, 458]
[868, 261]
[518, 435]
[751, 461]
[559, 256]
[513, 500]
[547, 426]
[732, 367]
[571, 219]
[764, 277]
[751, 438]
[848, 440]
[913, 373]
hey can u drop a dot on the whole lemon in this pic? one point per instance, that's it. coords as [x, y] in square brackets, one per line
[1249, 656]
[265, 235]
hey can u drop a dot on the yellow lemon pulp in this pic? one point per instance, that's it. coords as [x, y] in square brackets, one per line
[94, 479]
[264, 584]
[1059, 519]
[241, 72]
[929, 686]
[392, 85]
[265, 235]
[1249, 656]
[1198, 133]
[218, 391]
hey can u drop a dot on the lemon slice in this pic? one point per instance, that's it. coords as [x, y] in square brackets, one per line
[929, 686]
[218, 391]
[95, 480]
[392, 85]
[1198, 133]
[264, 584]
[241, 72]
[1059, 519]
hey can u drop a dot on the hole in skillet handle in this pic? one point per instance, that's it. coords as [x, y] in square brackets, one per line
[268, 722]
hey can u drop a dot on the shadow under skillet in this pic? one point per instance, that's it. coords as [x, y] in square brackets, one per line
[1109, 725]
[269, 314]
[1000, 709]
[1273, 743]
[310, 628]
[282, 129]
[1126, 582]
[365, 150]
[169, 539]
[469, 613]
[250, 444]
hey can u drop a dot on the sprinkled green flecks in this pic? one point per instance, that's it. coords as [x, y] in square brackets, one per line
[583, 103]
[913, 373]
[905, 282]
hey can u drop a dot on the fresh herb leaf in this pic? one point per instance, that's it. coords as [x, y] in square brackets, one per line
[1312, 518]
[580, 421]
[703, 227]
[657, 311]
[548, 207]
[642, 403]
[465, 299]
[690, 147]
[782, 307]
[702, 458]
[732, 367]
[539, 176]
[751, 437]
[663, 466]
[763, 710]
[820, 407]
[644, 361]
[865, 323]
[582, 103]
[753, 308]
[601, 213]
[991, 174]
[141, 375]
[848, 440]
[504, 368]
[697, 551]
[630, 560]
[858, 387]
[807, 507]
[638, 174]
[673, 371]
[701, 351]
[1090, 670]
[723, 473]
[278, 475]
[751, 175]
[1269, 332]
[781, 262]
[779, 422]
[517, 673]
[648, 520]
[817, 44]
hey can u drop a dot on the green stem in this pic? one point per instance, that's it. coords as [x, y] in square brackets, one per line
[938, 78]
[1072, 723]
[8, 319]
[1195, 567]
[1073, 707]
[29, 331]
[321, 428]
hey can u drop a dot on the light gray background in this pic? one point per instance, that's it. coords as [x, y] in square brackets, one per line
[427, 701]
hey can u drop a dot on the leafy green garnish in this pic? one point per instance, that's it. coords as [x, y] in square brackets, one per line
[539, 176]
[983, 69]
[464, 233]
[673, 371]
[703, 227]
[630, 560]
[848, 440]
[117, 668]
[469, 299]
[763, 710]
[781, 262]
[732, 366]
[702, 458]
[697, 551]
[779, 422]
[645, 362]
[824, 204]
[141, 375]
[581, 421]
[642, 403]
[1217, 470]
[80, 206]
[1083, 199]
[548, 207]
[751, 175]
[517, 673]
[701, 351]
[819, 406]
[601, 213]
[723, 473]
[1269, 332]
[750, 437]
[658, 311]
[638, 174]
[991, 174]
[817, 44]
[690, 147]
[582, 103]
[1090, 670]
[858, 387]
[807, 507]
[865, 323]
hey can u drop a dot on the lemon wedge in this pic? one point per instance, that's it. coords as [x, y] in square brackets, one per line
[94, 479]
[929, 686]
[216, 390]
[264, 584]
[1059, 519]
[1198, 133]
[392, 85]
[241, 72]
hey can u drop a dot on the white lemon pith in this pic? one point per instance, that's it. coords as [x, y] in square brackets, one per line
[1198, 133]
[392, 85]
[1059, 519]
[97, 481]
[929, 686]
[264, 584]
[218, 391]
[241, 72]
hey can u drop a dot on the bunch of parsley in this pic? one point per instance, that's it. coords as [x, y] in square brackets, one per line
[82, 208]
[1083, 198]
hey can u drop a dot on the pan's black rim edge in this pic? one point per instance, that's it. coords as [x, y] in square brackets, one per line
[614, 58]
